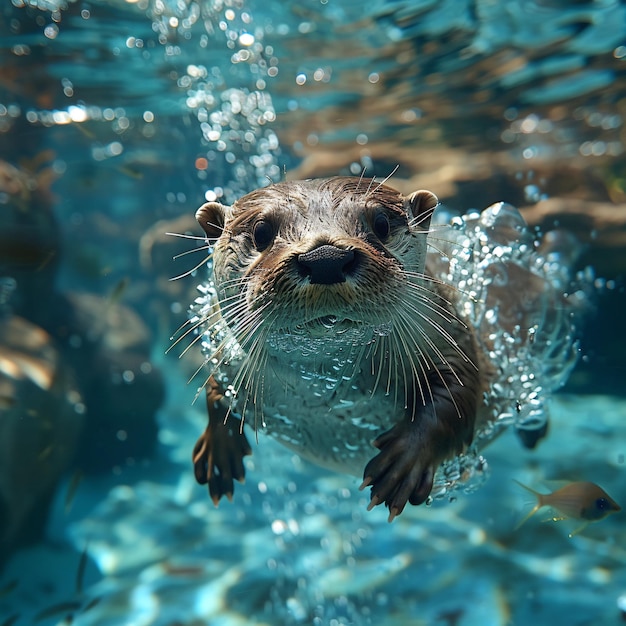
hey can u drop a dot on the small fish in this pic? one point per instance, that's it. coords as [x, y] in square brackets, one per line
[19, 250]
[580, 500]
[84, 131]
[8, 588]
[7, 402]
[118, 291]
[80, 573]
[131, 171]
[8, 284]
[45, 453]
[12, 619]
[77, 476]
[56, 609]
[183, 571]
[94, 602]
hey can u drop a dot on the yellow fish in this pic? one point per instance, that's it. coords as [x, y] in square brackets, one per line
[580, 500]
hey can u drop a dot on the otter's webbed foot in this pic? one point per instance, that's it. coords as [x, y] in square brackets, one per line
[403, 471]
[218, 453]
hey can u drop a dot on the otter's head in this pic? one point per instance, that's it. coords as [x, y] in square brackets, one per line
[317, 259]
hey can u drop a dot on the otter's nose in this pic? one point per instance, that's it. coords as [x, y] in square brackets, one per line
[326, 265]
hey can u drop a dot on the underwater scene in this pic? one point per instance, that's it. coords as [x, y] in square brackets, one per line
[311, 313]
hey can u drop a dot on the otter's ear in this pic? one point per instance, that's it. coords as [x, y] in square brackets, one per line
[421, 205]
[211, 216]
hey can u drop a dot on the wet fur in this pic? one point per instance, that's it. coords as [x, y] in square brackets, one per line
[326, 368]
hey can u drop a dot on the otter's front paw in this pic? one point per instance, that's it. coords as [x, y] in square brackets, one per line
[218, 459]
[403, 471]
[218, 453]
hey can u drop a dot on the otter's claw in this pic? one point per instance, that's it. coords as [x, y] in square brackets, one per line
[402, 471]
[410, 452]
[218, 453]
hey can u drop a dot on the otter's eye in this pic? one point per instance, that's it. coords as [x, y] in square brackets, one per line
[263, 233]
[381, 226]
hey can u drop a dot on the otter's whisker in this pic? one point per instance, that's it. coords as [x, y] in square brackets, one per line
[446, 335]
[439, 251]
[197, 371]
[257, 388]
[179, 329]
[192, 328]
[425, 216]
[221, 348]
[411, 329]
[438, 353]
[455, 244]
[193, 341]
[384, 180]
[428, 278]
[199, 249]
[400, 367]
[252, 368]
[358, 185]
[183, 236]
[421, 297]
[192, 270]
[405, 331]
[438, 281]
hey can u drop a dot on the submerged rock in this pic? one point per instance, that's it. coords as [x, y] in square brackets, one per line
[41, 419]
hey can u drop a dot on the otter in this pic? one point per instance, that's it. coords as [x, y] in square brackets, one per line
[322, 325]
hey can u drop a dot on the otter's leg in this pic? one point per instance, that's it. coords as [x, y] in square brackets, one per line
[410, 452]
[218, 453]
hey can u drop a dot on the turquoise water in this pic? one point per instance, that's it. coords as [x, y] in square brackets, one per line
[117, 120]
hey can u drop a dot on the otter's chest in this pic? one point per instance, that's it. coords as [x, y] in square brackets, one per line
[331, 422]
